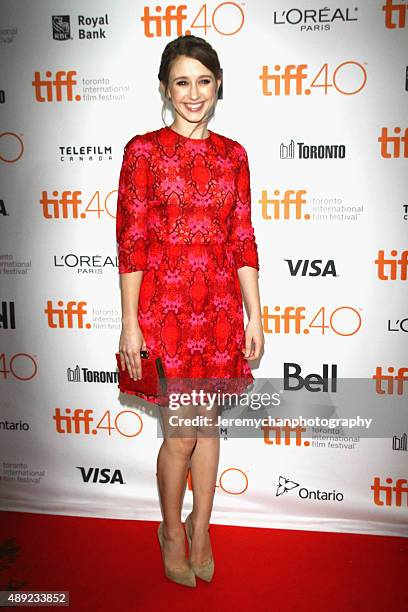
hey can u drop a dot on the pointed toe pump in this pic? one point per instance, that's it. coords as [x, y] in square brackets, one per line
[186, 576]
[205, 571]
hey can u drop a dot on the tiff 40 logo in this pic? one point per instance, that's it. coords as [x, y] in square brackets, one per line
[347, 79]
[20, 366]
[11, 147]
[226, 19]
[232, 481]
[87, 422]
[70, 204]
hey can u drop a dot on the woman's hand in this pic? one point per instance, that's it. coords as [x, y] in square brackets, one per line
[254, 339]
[130, 343]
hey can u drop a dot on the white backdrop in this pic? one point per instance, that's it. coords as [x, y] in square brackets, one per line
[78, 81]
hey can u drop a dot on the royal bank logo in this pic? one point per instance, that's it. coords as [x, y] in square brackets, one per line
[61, 27]
[86, 28]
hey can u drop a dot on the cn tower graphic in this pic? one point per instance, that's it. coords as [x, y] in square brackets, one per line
[73, 374]
[400, 442]
[287, 151]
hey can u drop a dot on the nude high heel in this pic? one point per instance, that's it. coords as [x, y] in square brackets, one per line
[186, 576]
[204, 571]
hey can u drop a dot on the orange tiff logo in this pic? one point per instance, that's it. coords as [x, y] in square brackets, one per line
[392, 381]
[290, 205]
[77, 421]
[393, 146]
[392, 9]
[388, 495]
[286, 431]
[343, 321]
[347, 79]
[392, 268]
[57, 89]
[69, 205]
[71, 317]
[226, 19]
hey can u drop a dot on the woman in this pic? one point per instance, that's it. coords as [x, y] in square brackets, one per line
[186, 248]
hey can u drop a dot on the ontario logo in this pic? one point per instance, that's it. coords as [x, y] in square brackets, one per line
[286, 485]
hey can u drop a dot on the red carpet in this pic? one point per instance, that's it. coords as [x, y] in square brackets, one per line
[115, 565]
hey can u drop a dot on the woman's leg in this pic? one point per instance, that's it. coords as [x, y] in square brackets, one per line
[204, 467]
[172, 468]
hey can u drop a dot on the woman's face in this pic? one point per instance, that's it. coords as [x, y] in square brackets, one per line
[192, 88]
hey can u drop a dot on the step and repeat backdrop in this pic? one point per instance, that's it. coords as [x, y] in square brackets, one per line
[317, 95]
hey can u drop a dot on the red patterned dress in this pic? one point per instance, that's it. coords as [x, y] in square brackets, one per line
[184, 217]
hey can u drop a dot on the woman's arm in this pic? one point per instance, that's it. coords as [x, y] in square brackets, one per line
[254, 335]
[130, 289]
[245, 250]
[132, 241]
[131, 338]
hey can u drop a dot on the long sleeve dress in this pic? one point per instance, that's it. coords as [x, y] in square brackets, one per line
[184, 218]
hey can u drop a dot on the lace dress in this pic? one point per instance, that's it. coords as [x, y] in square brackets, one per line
[184, 218]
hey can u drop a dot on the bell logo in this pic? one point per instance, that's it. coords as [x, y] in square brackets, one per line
[312, 382]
